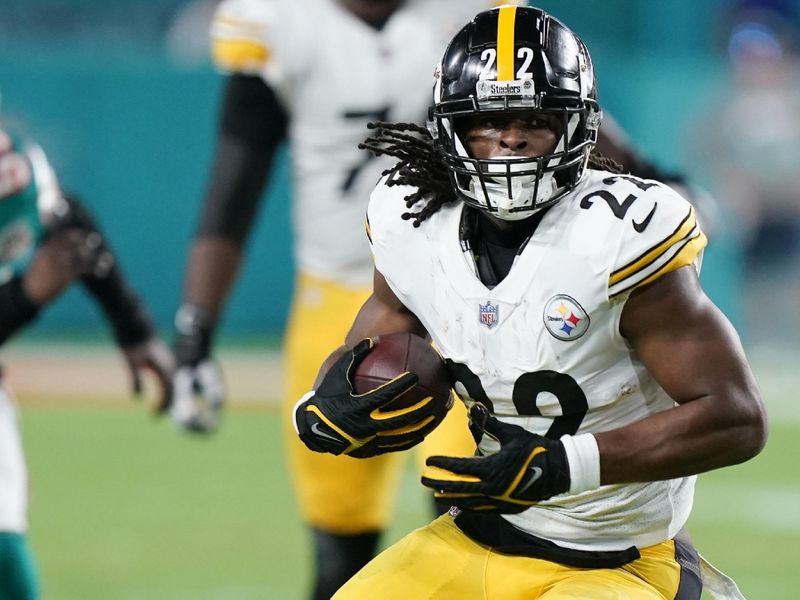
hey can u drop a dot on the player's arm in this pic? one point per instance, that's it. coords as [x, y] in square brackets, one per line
[252, 126]
[693, 352]
[383, 313]
[332, 418]
[76, 249]
[17, 309]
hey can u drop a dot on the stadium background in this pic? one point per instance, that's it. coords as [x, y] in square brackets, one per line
[122, 98]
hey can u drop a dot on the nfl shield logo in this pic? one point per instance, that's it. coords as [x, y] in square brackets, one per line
[488, 314]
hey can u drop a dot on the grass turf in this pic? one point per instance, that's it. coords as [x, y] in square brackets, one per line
[123, 508]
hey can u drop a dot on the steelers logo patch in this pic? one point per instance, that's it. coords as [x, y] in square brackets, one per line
[564, 318]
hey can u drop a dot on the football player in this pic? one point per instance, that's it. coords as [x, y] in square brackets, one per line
[313, 73]
[47, 242]
[565, 297]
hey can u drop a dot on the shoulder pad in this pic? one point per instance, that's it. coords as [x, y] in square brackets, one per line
[240, 35]
[658, 232]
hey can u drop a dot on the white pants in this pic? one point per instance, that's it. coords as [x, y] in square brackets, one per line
[13, 474]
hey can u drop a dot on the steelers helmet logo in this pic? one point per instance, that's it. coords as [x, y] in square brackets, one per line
[564, 318]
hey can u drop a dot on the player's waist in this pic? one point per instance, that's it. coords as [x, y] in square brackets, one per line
[494, 531]
[611, 519]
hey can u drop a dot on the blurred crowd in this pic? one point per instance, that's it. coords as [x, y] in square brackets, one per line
[746, 146]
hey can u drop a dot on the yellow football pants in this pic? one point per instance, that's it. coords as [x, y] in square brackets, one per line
[439, 562]
[339, 494]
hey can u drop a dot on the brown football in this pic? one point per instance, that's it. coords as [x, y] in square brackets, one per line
[396, 353]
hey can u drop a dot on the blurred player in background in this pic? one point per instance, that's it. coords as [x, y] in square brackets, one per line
[48, 241]
[313, 73]
[565, 297]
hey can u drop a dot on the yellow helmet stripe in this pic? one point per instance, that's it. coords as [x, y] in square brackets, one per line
[505, 43]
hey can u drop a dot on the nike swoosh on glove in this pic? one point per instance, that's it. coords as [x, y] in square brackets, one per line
[527, 469]
[334, 419]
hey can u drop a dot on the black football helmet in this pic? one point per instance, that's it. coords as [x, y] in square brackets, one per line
[515, 59]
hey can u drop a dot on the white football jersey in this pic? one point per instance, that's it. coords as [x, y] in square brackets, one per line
[543, 347]
[334, 74]
[13, 474]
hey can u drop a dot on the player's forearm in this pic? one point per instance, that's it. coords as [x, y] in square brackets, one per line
[130, 322]
[698, 436]
[212, 271]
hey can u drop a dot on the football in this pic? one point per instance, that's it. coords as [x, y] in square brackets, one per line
[396, 353]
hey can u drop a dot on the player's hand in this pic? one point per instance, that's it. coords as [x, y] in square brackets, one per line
[198, 395]
[526, 469]
[151, 355]
[336, 420]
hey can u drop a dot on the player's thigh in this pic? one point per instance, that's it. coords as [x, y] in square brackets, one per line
[320, 318]
[525, 578]
[435, 562]
[337, 494]
[18, 579]
[344, 495]
[602, 584]
[671, 567]
[450, 438]
[666, 571]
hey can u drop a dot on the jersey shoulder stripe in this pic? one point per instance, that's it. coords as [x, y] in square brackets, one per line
[680, 248]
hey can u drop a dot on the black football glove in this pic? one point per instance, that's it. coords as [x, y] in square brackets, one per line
[528, 468]
[336, 420]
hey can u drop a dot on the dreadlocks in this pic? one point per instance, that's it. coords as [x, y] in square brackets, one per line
[420, 165]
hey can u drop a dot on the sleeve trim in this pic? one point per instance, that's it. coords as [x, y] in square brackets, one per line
[685, 230]
[368, 229]
[684, 254]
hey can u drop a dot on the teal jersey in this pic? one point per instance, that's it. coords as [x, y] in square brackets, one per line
[20, 231]
[21, 227]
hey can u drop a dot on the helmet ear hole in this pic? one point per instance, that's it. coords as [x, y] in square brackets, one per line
[510, 59]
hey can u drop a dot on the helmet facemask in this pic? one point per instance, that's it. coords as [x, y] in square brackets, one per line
[514, 188]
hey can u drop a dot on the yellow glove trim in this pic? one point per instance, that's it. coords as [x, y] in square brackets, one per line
[445, 475]
[407, 429]
[379, 415]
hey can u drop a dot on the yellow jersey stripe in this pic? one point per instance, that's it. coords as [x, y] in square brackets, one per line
[686, 256]
[505, 43]
[684, 229]
[235, 55]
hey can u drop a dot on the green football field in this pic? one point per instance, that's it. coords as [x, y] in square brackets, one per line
[123, 507]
